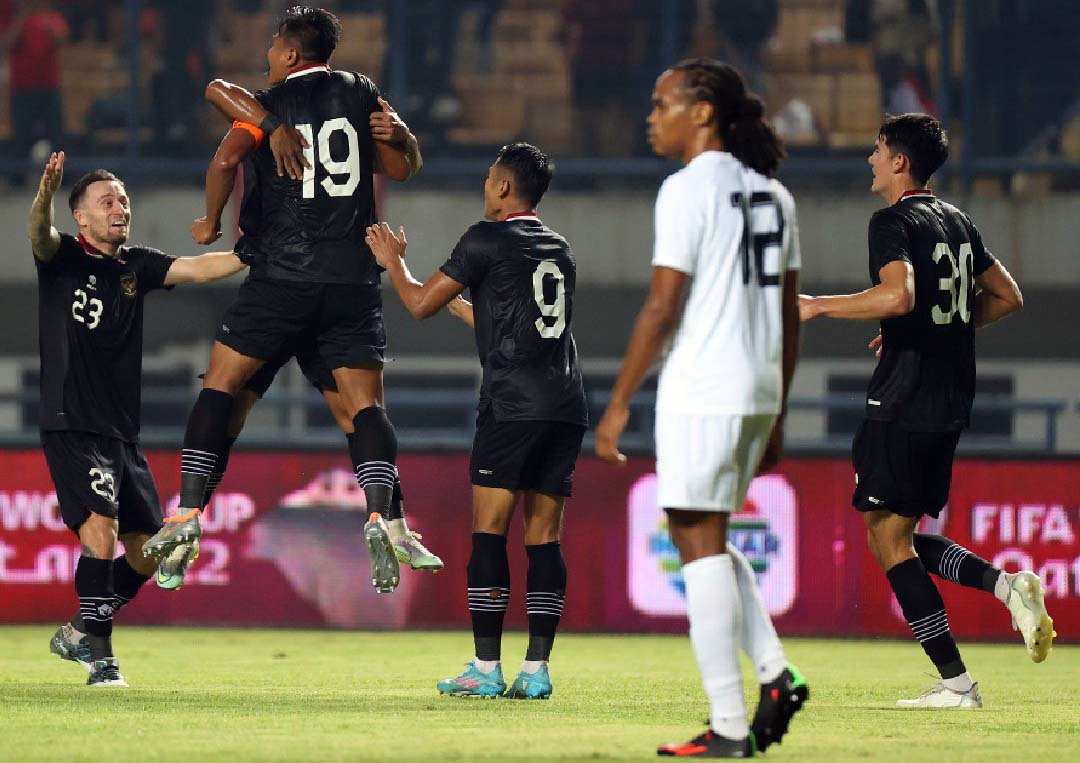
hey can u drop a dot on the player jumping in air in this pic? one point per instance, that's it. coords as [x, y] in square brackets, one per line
[532, 413]
[313, 278]
[91, 292]
[934, 283]
[723, 293]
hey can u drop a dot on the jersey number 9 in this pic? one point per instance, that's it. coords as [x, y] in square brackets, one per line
[557, 309]
[349, 166]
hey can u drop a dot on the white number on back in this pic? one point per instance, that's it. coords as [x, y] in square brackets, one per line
[557, 309]
[349, 166]
[958, 298]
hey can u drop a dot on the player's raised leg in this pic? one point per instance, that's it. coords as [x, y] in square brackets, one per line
[1021, 592]
[488, 582]
[891, 541]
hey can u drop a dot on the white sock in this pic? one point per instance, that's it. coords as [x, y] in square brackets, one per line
[397, 529]
[531, 666]
[486, 666]
[758, 635]
[712, 605]
[961, 683]
[1001, 587]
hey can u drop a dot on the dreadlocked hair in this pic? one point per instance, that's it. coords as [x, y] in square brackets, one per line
[738, 113]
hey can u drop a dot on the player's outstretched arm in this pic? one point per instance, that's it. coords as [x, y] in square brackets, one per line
[998, 295]
[422, 300]
[220, 177]
[203, 268]
[397, 153]
[461, 308]
[894, 296]
[44, 237]
[286, 143]
[655, 324]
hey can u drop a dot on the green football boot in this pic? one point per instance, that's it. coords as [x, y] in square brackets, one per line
[474, 683]
[179, 530]
[170, 573]
[530, 685]
[385, 571]
[409, 550]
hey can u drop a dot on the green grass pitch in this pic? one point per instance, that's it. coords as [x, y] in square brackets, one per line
[205, 695]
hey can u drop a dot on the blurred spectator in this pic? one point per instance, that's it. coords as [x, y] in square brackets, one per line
[605, 44]
[32, 34]
[901, 33]
[88, 19]
[744, 28]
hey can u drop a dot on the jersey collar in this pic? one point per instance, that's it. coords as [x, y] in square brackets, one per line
[96, 253]
[923, 192]
[523, 216]
[300, 71]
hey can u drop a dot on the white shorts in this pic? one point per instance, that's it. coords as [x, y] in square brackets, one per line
[707, 462]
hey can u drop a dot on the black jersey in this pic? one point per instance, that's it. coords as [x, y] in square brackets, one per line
[521, 276]
[90, 314]
[313, 230]
[925, 379]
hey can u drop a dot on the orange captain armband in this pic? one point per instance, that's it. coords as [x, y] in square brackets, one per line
[256, 133]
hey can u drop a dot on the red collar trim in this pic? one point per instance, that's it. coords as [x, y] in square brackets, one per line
[918, 192]
[93, 251]
[300, 71]
[523, 216]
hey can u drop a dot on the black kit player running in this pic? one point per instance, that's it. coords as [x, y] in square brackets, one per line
[314, 279]
[934, 283]
[532, 412]
[91, 296]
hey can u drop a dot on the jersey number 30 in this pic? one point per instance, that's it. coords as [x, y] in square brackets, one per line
[958, 298]
[556, 309]
[349, 166]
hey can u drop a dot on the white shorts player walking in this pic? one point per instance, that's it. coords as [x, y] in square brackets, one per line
[723, 299]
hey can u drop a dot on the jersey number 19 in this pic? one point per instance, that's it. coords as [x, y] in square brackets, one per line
[349, 166]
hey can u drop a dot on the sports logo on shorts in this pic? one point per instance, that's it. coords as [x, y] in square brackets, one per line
[128, 284]
[764, 531]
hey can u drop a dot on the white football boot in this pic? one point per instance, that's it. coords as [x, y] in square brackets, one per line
[940, 697]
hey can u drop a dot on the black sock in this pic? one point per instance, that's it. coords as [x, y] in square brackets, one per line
[545, 591]
[955, 563]
[397, 502]
[204, 440]
[489, 592]
[126, 583]
[373, 449]
[219, 471]
[94, 585]
[925, 613]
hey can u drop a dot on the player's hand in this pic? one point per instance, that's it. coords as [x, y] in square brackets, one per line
[288, 144]
[773, 449]
[608, 431]
[51, 177]
[205, 232]
[875, 345]
[807, 310]
[462, 309]
[387, 126]
[384, 245]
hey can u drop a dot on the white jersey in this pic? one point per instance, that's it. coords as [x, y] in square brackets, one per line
[734, 232]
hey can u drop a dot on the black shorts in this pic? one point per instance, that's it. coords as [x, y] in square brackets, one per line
[905, 472]
[341, 323]
[102, 475]
[311, 365]
[525, 455]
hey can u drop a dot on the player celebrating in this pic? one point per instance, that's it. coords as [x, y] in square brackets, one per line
[726, 234]
[532, 412]
[91, 291]
[934, 283]
[313, 277]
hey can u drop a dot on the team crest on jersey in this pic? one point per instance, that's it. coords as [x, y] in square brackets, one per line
[128, 285]
[764, 531]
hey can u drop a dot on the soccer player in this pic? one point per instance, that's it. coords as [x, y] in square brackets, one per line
[724, 295]
[313, 276]
[532, 413]
[91, 291]
[934, 283]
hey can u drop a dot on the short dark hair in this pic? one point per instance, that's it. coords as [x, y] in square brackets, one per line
[531, 167]
[920, 138]
[79, 189]
[315, 31]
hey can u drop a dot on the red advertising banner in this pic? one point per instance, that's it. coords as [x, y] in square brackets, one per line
[282, 546]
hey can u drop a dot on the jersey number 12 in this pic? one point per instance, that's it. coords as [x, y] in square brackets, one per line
[349, 166]
[758, 241]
